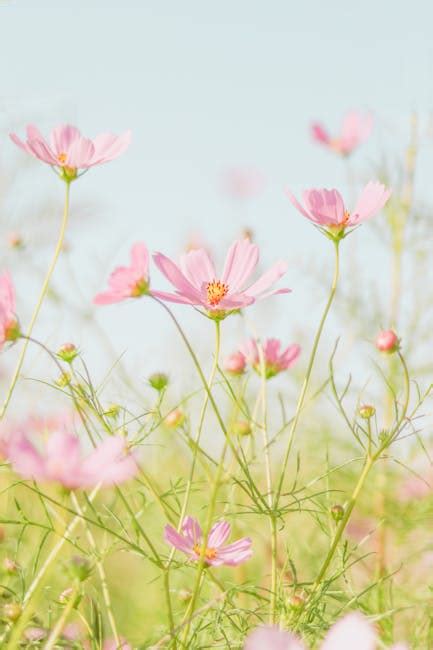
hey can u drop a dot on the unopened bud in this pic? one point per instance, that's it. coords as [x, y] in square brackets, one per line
[296, 602]
[15, 240]
[184, 595]
[158, 381]
[235, 363]
[387, 341]
[337, 513]
[12, 330]
[174, 419]
[79, 568]
[367, 411]
[10, 566]
[242, 428]
[112, 411]
[67, 352]
[12, 611]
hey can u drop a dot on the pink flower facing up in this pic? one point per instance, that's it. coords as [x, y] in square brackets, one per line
[9, 326]
[355, 129]
[190, 542]
[326, 208]
[387, 341]
[197, 283]
[67, 151]
[275, 359]
[61, 461]
[354, 631]
[128, 281]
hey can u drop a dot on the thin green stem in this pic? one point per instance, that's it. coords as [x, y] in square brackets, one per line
[58, 628]
[42, 294]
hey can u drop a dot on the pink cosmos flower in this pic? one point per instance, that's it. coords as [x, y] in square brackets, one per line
[190, 542]
[355, 129]
[275, 359]
[9, 328]
[128, 281]
[243, 182]
[197, 283]
[387, 341]
[62, 461]
[69, 151]
[353, 631]
[235, 363]
[326, 207]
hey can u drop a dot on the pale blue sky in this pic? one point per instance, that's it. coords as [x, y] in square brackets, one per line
[203, 86]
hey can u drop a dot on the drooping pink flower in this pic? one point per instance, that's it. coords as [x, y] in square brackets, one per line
[243, 182]
[68, 151]
[235, 363]
[355, 129]
[128, 281]
[197, 283]
[387, 341]
[326, 207]
[190, 542]
[62, 461]
[275, 359]
[353, 631]
[9, 327]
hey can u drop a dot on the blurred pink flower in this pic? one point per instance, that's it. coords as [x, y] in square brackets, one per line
[275, 359]
[9, 328]
[69, 151]
[62, 461]
[355, 129]
[243, 182]
[326, 207]
[190, 542]
[196, 283]
[111, 644]
[128, 281]
[235, 363]
[353, 631]
[387, 341]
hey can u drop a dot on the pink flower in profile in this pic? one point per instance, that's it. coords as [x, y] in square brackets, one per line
[355, 129]
[190, 542]
[235, 363]
[197, 283]
[61, 461]
[326, 207]
[128, 281]
[243, 182]
[353, 631]
[275, 359]
[68, 151]
[9, 327]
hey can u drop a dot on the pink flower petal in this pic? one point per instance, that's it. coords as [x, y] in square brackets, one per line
[192, 531]
[177, 540]
[62, 137]
[267, 279]
[197, 267]
[176, 277]
[354, 631]
[218, 534]
[241, 260]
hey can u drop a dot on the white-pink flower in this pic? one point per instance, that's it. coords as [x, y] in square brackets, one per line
[274, 358]
[128, 281]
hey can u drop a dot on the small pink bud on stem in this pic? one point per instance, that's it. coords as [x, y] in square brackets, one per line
[387, 341]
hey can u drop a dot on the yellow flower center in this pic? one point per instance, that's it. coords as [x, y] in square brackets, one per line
[209, 553]
[140, 288]
[346, 217]
[62, 157]
[216, 291]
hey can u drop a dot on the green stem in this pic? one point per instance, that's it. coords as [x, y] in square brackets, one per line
[303, 393]
[58, 628]
[43, 293]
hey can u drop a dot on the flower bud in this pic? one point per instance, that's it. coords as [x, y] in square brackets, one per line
[174, 419]
[184, 595]
[112, 411]
[241, 428]
[296, 602]
[12, 331]
[15, 240]
[67, 352]
[12, 611]
[387, 341]
[65, 595]
[366, 411]
[158, 381]
[235, 363]
[63, 380]
[35, 634]
[10, 566]
[337, 513]
[79, 568]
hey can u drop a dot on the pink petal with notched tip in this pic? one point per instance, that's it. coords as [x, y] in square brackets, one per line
[294, 201]
[109, 146]
[257, 289]
[22, 145]
[192, 530]
[241, 260]
[177, 540]
[236, 553]
[354, 631]
[218, 534]
[197, 267]
[272, 638]
[372, 199]
[80, 154]
[176, 277]
[62, 137]
[326, 206]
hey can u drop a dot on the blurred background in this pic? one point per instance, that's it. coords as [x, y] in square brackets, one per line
[206, 88]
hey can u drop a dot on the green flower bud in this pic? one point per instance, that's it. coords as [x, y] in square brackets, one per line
[158, 381]
[337, 512]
